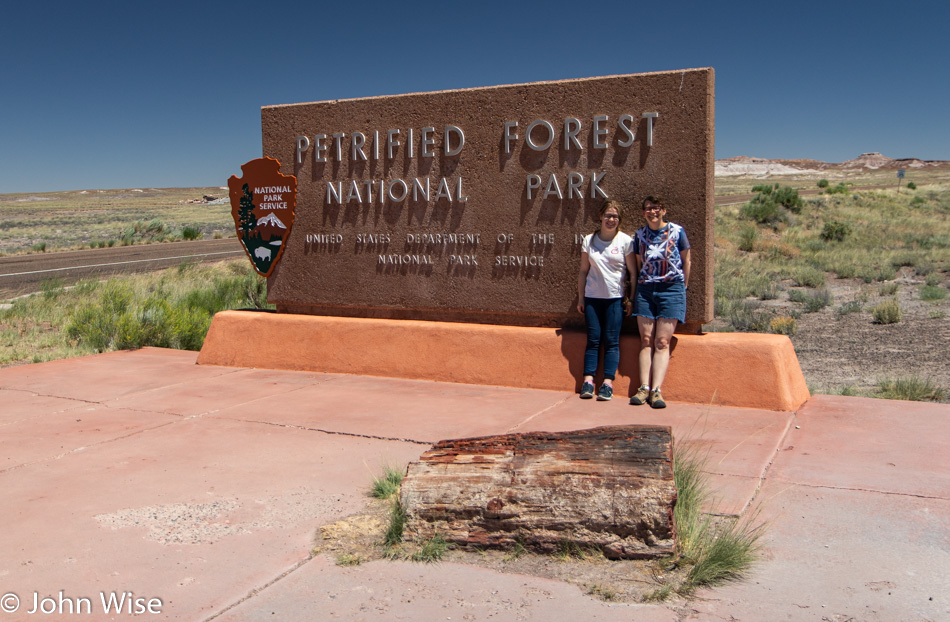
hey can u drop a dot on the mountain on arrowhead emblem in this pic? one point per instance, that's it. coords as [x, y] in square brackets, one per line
[263, 202]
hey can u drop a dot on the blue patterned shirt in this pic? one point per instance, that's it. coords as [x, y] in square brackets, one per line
[659, 251]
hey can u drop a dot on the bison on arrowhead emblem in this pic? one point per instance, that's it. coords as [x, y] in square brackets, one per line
[262, 204]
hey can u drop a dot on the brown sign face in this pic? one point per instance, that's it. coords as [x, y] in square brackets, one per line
[262, 205]
[472, 205]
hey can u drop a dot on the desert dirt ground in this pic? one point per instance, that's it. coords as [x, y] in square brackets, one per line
[851, 353]
[837, 352]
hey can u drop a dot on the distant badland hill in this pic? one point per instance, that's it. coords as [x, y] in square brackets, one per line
[744, 165]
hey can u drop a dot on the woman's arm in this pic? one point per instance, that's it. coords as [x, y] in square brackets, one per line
[686, 264]
[582, 281]
[632, 260]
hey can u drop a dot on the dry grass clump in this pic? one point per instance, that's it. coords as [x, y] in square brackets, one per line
[172, 308]
[712, 551]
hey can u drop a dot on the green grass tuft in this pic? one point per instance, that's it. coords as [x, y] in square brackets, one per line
[348, 559]
[713, 551]
[910, 388]
[387, 485]
[397, 523]
[814, 301]
[932, 293]
[431, 551]
[888, 289]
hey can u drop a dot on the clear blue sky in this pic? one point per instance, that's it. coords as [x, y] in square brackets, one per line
[148, 94]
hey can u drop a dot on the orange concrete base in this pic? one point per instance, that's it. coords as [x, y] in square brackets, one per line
[729, 369]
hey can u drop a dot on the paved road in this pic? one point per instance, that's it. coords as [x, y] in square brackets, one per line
[23, 274]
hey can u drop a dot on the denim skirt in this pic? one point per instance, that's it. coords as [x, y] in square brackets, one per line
[661, 300]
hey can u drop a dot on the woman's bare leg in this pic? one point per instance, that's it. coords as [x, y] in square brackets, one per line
[645, 326]
[661, 352]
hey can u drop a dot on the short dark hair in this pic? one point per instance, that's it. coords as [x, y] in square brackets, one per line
[655, 200]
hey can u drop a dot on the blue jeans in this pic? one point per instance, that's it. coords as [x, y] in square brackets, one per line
[604, 317]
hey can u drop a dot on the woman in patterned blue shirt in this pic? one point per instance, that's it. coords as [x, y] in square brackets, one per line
[662, 256]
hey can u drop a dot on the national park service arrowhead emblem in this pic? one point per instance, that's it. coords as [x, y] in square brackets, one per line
[262, 204]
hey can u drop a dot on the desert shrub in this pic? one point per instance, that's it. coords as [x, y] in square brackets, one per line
[917, 201]
[903, 258]
[807, 276]
[787, 197]
[120, 317]
[888, 289]
[778, 251]
[814, 301]
[772, 204]
[852, 306]
[840, 188]
[845, 270]
[747, 316]
[783, 325]
[887, 312]
[911, 185]
[39, 247]
[932, 279]
[873, 273]
[814, 245]
[932, 293]
[822, 183]
[191, 233]
[835, 231]
[764, 212]
[748, 234]
[765, 287]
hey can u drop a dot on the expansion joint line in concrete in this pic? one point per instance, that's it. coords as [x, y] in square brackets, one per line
[260, 589]
[765, 471]
[85, 447]
[538, 414]
[59, 397]
[867, 490]
[352, 434]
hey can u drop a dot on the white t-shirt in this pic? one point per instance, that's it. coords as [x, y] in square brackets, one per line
[608, 265]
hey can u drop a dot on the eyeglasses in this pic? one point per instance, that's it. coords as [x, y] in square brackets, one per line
[611, 217]
[655, 208]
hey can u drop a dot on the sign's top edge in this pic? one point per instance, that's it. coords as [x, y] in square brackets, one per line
[499, 86]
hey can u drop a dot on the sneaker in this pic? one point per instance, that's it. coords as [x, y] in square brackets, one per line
[656, 399]
[605, 393]
[641, 396]
[587, 391]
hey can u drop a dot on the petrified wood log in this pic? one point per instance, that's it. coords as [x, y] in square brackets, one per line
[609, 487]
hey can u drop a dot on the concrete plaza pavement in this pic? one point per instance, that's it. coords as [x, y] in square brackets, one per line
[198, 489]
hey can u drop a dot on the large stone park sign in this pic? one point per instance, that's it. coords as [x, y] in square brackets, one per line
[470, 205]
[437, 236]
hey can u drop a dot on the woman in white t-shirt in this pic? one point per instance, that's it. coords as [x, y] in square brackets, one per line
[606, 256]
